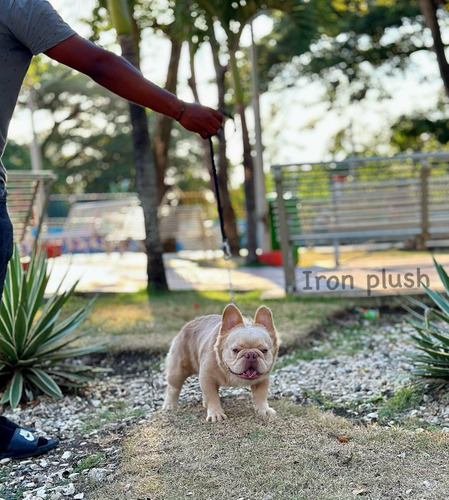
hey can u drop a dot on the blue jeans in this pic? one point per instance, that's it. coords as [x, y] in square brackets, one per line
[6, 237]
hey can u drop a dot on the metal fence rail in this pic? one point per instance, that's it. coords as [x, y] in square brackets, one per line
[404, 198]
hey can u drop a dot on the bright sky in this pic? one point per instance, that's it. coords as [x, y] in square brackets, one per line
[289, 135]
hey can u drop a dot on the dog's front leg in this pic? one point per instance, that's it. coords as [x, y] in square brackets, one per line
[211, 399]
[260, 392]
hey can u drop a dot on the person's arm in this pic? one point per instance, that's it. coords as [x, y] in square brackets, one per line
[119, 76]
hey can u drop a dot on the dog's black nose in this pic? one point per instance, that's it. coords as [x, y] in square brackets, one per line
[251, 355]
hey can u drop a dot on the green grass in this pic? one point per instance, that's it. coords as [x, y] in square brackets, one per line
[297, 455]
[88, 462]
[102, 418]
[135, 322]
[6, 492]
[347, 339]
[402, 400]
[303, 355]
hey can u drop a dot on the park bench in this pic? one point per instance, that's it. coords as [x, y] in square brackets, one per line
[99, 225]
[28, 194]
[398, 200]
[117, 223]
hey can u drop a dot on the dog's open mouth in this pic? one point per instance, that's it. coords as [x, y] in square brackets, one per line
[250, 373]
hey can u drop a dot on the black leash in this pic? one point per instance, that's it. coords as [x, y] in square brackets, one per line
[226, 249]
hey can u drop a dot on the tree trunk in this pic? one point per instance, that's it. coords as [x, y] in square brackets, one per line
[229, 221]
[145, 180]
[248, 167]
[429, 9]
[250, 192]
[228, 212]
[164, 124]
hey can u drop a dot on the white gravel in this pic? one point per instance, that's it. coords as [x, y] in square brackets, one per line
[357, 374]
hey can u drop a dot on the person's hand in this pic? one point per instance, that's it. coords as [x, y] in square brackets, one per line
[201, 119]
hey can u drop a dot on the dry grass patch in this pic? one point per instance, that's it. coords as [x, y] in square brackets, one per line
[136, 322]
[300, 455]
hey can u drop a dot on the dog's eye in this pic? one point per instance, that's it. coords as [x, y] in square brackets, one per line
[235, 350]
[264, 351]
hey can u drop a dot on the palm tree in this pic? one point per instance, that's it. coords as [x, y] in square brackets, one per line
[146, 178]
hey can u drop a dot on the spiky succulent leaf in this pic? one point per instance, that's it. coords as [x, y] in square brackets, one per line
[8, 352]
[443, 275]
[44, 382]
[5, 397]
[16, 389]
[438, 299]
[432, 333]
[33, 342]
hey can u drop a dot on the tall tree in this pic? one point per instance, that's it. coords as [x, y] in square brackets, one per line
[164, 124]
[233, 17]
[229, 219]
[348, 44]
[87, 141]
[410, 134]
[228, 210]
[146, 178]
[176, 29]
[430, 9]
[356, 51]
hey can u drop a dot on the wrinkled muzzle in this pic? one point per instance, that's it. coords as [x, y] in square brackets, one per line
[248, 366]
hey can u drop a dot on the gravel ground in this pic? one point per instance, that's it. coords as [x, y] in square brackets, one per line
[358, 373]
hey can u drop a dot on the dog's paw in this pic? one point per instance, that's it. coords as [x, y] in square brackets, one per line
[169, 406]
[266, 413]
[215, 415]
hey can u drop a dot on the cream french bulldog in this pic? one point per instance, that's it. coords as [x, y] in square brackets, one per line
[225, 350]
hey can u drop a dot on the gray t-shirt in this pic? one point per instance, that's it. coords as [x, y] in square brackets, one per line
[27, 28]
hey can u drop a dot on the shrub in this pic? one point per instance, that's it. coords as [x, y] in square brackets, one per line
[432, 328]
[34, 345]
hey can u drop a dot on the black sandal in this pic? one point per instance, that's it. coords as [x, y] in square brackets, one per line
[24, 444]
[5, 422]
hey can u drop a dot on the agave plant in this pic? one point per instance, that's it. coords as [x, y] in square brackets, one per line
[432, 332]
[34, 345]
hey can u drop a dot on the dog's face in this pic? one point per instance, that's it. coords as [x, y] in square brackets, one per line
[247, 350]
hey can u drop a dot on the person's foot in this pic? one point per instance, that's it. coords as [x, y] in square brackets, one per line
[18, 442]
[5, 422]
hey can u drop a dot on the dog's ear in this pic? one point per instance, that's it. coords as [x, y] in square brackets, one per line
[264, 318]
[230, 318]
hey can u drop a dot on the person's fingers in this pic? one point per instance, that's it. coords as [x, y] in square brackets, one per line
[212, 130]
[218, 115]
[216, 123]
[203, 120]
